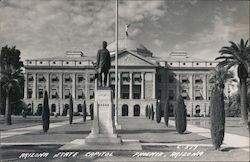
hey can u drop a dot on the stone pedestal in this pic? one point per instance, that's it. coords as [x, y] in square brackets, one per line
[103, 129]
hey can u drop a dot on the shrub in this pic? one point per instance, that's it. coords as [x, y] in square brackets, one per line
[166, 113]
[152, 112]
[84, 112]
[91, 112]
[158, 113]
[45, 112]
[146, 111]
[180, 116]
[70, 110]
[217, 117]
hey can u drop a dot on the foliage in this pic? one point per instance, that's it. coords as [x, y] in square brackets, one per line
[238, 55]
[217, 116]
[233, 107]
[84, 112]
[11, 79]
[149, 112]
[70, 109]
[166, 113]
[180, 116]
[158, 113]
[91, 109]
[152, 112]
[146, 112]
[45, 112]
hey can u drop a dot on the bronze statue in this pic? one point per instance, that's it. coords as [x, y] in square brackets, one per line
[103, 64]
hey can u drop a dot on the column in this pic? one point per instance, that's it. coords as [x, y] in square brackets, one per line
[142, 85]
[73, 85]
[191, 87]
[119, 85]
[26, 85]
[47, 83]
[60, 86]
[34, 90]
[130, 85]
[154, 85]
[205, 87]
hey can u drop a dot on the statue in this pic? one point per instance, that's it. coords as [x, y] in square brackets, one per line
[103, 64]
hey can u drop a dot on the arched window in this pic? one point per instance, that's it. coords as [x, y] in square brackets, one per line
[79, 108]
[53, 108]
[137, 110]
[125, 110]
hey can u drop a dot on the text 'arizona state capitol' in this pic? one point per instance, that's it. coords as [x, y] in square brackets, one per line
[143, 79]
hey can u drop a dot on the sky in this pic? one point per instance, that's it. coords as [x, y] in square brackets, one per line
[49, 28]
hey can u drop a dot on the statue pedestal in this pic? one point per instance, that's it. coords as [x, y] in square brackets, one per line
[103, 129]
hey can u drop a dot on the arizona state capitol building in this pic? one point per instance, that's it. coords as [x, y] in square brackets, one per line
[143, 79]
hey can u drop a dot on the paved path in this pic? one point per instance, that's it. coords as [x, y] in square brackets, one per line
[230, 140]
[20, 131]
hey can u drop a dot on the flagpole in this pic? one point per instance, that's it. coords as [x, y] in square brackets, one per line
[116, 65]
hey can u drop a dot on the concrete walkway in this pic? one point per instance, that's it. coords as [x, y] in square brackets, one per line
[20, 131]
[230, 140]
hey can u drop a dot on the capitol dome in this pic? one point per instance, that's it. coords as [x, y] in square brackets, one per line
[130, 45]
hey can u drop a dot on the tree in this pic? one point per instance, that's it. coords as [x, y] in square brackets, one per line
[217, 111]
[91, 109]
[166, 113]
[238, 55]
[11, 78]
[158, 113]
[152, 112]
[70, 109]
[84, 112]
[45, 112]
[180, 116]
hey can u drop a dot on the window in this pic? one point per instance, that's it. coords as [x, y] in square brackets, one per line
[171, 94]
[198, 95]
[184, 79]
[66, 93]
[80, 94]
[137, 77]
[197, 63]
[184, 94]
[41, 79]
[171, 63]
[80, 62]
[29, 93]
[136, 92]
[125, 77]
[184, 63]
[210, 64]
[125, 91]
[53, 108]
[80, 79]
[54, 94]
[198, 81]
[54, 62]
[41, 62]
[30, 62]
[91, 94]
[67, 62]
[30, 78]
[40, 93]
[54, 79]
[67, 79]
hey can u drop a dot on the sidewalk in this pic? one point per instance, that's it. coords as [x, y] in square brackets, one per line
[230, 140]
[20, 131]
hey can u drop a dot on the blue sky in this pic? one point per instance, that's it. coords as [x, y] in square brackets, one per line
[43, 28]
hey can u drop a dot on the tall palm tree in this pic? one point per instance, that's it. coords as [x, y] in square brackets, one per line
[11, 77]
[238, 55]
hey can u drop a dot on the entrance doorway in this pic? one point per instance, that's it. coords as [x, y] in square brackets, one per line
[124, 110]
[137, 110]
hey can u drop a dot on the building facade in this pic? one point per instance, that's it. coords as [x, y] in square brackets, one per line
[143, 80]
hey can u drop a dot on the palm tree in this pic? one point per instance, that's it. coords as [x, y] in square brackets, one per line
[11, 77]
[217, 112]
[238, 55]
